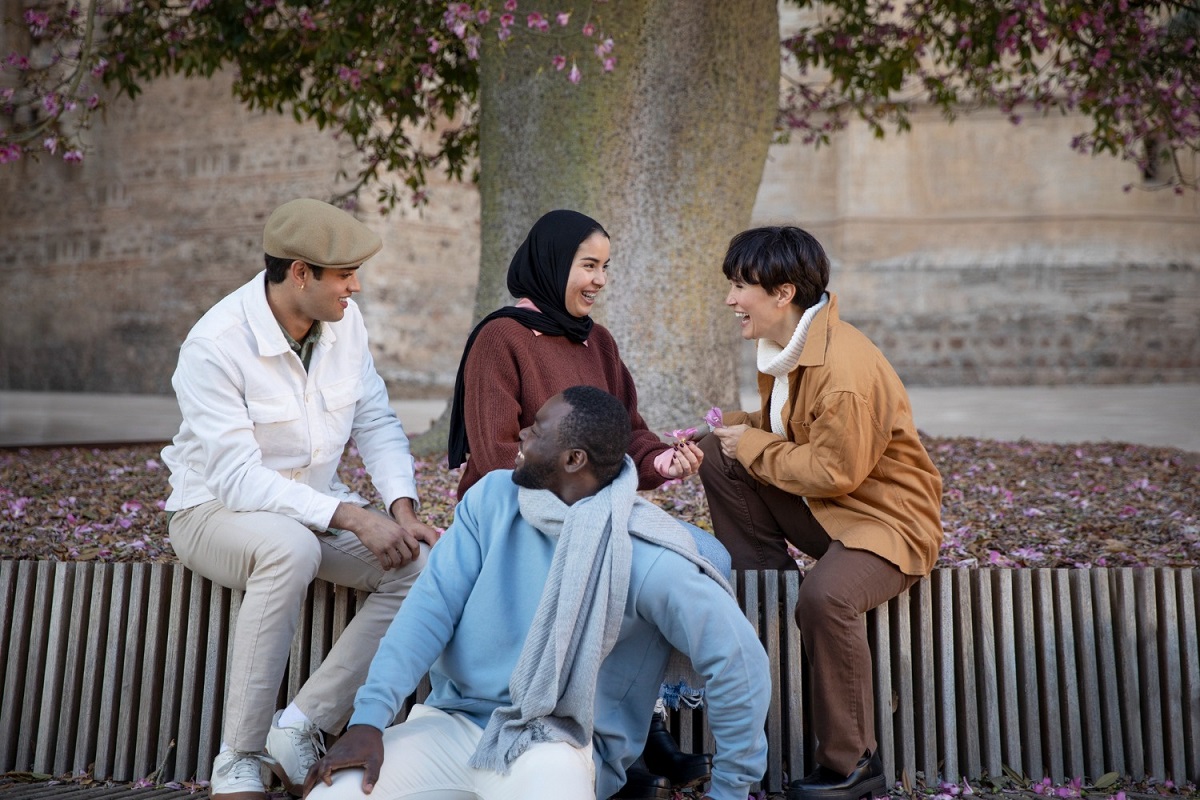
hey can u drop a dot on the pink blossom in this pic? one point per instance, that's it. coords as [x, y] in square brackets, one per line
[563, 18]
[506, 20]
[715, 418]
[537, 22]
[483, 16]
[73, 156]
[610, 64]
[574, 76]
[199, 5]
[510, 5]
[50, 143]
[9, 153]
[588, 29]
[560, 62]
[306, 20]
[681, 435]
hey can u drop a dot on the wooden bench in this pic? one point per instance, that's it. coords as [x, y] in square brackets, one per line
[118, 670]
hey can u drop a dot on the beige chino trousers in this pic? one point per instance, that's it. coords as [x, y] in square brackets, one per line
[274, 558]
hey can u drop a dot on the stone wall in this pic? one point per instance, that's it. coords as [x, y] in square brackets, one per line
[973, 253]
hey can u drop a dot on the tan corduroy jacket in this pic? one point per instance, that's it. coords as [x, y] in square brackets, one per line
[851, 447]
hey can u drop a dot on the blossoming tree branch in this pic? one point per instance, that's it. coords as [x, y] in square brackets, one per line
[376, 74]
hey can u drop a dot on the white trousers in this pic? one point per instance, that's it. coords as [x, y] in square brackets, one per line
[274, 558]
[426, 756]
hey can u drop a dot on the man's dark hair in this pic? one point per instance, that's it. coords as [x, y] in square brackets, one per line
[277, 268]
[770, 257]
[598, 425]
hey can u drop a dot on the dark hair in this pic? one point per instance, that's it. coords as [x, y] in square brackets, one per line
[770, 257]
[277, 268]
[599, 425]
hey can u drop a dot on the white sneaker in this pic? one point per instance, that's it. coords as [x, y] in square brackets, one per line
[237, 775]
[293, 750]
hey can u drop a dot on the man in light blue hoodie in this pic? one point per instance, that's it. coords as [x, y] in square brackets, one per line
[544, 618]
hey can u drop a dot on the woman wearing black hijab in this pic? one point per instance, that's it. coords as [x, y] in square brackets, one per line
[516, 359]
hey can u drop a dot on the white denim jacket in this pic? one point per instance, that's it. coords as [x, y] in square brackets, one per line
[261, 434]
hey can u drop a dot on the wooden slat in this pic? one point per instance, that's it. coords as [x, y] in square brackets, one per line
[750, 604]
[76, 666]
[110, 683]
[924, 678]
[127, 718]
[10, 604]
[900, 611]
[175, 764]
[1128, 670]
[54, 674]
[149, 709]
[1189, 656]
[1086, 670]
[1012, 753]
[35, 662]
[1047, 654]
[769, 586]
[192, 697]
[215, 648]
[94, 655]
[1106, 656]
[960, 664]
[987, 675]
[941, 584]
[1032, 759]
[1070, 681]
[1149, 686]
[793, 655]
[879, 631]
[1170, 703]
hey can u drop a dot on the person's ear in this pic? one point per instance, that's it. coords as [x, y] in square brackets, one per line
[298, 272]
[576, 459]
[784, 294]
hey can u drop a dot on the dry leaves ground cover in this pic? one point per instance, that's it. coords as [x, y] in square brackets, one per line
[1007, 504]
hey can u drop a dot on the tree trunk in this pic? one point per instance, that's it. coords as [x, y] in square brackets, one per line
[666, 152]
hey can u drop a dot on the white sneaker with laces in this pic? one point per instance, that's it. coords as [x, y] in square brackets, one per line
[292, 750]
[237, 775]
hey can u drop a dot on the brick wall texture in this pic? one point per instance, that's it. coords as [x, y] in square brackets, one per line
[973, 253]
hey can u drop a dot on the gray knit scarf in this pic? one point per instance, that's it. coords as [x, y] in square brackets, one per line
[578, 618]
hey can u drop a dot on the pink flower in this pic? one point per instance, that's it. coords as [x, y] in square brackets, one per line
[434, 45]
[563, 18]
[574, 75]
[9, 153]
[506, 20]
[50, 143]
[610, 64]
[510, 5]
[715, 418]
[560, 62]
[73, 156]
[681, 435]
[537, 22]
[588, 29]
[483, 16]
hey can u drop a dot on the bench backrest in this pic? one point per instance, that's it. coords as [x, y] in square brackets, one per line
[118, 670]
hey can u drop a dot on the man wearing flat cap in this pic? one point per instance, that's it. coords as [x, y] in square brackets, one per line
[273, 381]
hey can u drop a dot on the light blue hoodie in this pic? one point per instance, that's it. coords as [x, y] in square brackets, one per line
[466, 618]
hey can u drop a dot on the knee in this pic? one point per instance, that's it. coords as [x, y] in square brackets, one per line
[821, 607]
[298, 557]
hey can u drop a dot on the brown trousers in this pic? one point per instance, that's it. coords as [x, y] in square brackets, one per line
[755, 521]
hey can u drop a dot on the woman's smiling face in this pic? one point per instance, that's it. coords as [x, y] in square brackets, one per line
[589, 274]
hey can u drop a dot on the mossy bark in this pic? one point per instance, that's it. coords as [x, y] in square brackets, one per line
[667, 152]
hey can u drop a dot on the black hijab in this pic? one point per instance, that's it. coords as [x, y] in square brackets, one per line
[538, 270]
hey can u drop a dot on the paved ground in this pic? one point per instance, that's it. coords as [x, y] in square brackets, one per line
[1164, 415]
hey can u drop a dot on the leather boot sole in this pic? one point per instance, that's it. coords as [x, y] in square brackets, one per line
[871, 787]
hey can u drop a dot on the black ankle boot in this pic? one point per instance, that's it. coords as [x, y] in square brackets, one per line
[641, 784]
[663, 757]
[824, 784]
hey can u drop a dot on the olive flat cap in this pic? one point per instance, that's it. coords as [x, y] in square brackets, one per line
[318, 234]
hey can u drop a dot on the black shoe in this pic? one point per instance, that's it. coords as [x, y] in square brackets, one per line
[824, 784]
[641, 784]
[663, 757]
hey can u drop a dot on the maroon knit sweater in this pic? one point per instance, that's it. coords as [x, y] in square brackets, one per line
[511, 372]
